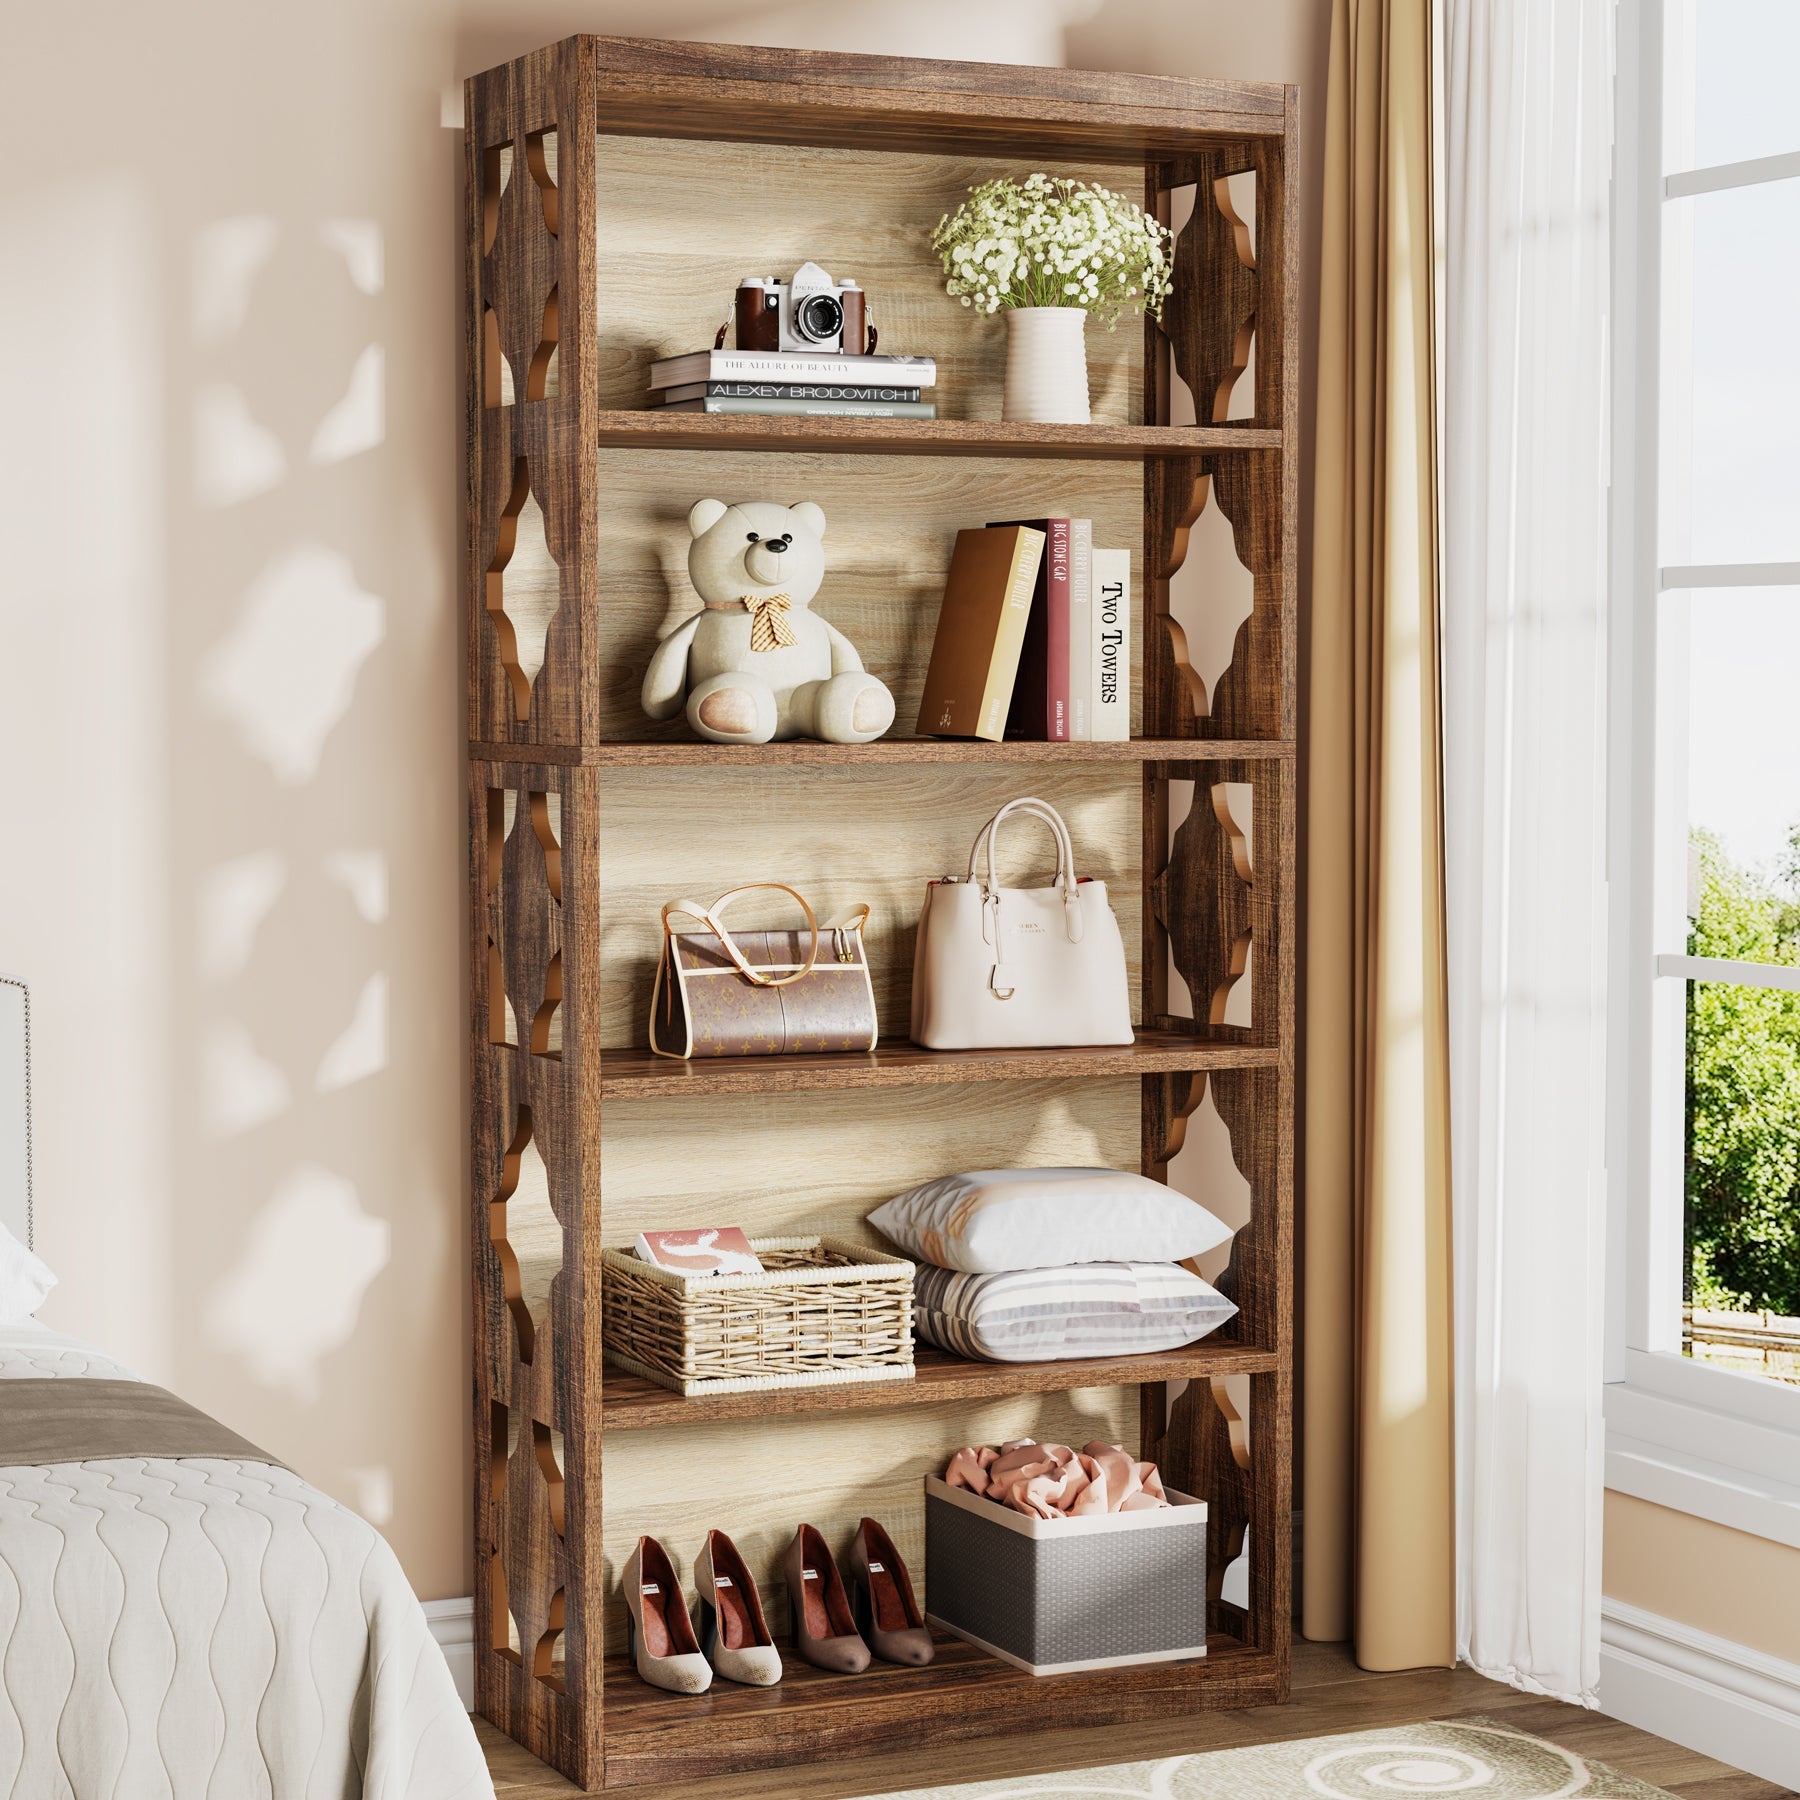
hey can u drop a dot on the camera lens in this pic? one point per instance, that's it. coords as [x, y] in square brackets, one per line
[818, 317]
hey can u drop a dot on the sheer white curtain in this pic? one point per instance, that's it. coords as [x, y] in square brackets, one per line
[1527, 145]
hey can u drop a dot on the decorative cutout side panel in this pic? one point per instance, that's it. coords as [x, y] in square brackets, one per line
[542, 378]
[505, 1633]
[1246, 699]
[1204, 1438]
[524, 589]
[496, 175]
[547, 1447]
[1197, 1435]
[534, 1155]
[523, 873]
[1210, 318]
[1208, 903]
[1225, 333]
[525, 1487]
[531, 279]
[547, 1660]
[540, 155]
[496, 371]
[527, 1237]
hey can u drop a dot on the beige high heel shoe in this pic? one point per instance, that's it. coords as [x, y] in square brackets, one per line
[660, 1636]
[733, 1634]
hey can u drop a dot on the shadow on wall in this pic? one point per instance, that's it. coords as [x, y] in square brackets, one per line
[231, 489]
[318, 1226]
[235, 593]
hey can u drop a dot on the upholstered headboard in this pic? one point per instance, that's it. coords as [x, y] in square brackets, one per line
[15, 1107]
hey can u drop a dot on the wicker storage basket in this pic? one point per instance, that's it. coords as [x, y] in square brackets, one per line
[821, 1311]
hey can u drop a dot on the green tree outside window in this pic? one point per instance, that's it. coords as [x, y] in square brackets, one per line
[1743, 1092]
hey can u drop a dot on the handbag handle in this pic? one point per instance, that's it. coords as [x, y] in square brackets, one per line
[1040, 809]
[992, 927]
[710, 915]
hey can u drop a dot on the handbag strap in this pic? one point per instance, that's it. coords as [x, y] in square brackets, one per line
[710, 916]
[992, 930]
[1040, 809]
[854, 920]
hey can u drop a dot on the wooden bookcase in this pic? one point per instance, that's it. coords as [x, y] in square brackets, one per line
[616, 190]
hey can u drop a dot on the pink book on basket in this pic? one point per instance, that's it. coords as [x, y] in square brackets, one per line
[714, 1250]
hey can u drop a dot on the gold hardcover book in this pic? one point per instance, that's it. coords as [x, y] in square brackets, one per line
[980, 632]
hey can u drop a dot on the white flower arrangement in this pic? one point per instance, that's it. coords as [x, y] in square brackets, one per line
[1050, 241]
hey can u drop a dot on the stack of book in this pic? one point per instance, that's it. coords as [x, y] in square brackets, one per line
[1033, 638]
[785, 382]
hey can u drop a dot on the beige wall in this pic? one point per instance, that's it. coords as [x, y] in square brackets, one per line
[229, 490]
[1742, 1588]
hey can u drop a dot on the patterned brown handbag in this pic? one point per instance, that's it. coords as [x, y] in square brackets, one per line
[764, 992]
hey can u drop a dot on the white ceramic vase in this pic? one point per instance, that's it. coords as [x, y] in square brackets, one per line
[1046, 366]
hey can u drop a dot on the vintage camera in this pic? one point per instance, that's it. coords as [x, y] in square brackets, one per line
[810, 314]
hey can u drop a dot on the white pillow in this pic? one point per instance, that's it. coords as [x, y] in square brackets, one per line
[24, 1280]
[996, 1219]
[1049, 1315]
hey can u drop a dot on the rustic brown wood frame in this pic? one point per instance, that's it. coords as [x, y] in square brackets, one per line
[531, 281]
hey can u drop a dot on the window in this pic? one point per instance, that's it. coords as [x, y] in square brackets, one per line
[1704, 851]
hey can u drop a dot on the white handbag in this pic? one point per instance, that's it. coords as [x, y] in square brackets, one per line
[1014, 968]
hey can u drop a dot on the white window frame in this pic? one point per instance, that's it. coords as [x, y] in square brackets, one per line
[1702, 1440]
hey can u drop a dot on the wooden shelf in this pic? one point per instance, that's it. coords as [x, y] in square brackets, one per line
[643, 1075]
[653, 430]
[652, 1735]
[804, 753]
[569, 851]
[630, 1403]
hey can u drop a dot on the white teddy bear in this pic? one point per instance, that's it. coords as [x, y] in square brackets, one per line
[757, 664]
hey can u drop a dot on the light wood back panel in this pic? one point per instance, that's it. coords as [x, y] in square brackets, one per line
[780, 1164]
[890, 525]
[681, 223]
[757, 1486]
[840, 837]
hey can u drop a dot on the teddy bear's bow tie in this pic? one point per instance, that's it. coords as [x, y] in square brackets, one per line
[769, 629]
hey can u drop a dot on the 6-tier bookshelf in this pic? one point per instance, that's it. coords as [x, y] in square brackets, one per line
[616, 191]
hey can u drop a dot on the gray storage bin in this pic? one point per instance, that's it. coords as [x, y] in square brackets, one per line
[1052, 1595]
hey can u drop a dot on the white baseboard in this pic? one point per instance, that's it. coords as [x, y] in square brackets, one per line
[1701, 1691]
[452, 1623]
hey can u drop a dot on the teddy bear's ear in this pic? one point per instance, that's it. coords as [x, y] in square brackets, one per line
[812, 517]
[706, 514]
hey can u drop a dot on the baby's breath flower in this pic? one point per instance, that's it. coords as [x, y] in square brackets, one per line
[1049, 241]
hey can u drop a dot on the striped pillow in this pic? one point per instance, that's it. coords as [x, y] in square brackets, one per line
[1047, 1315]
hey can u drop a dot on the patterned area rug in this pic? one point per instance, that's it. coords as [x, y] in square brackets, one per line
[1472, 1757]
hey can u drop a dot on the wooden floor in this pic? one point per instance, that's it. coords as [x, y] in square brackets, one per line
[1330, 1694]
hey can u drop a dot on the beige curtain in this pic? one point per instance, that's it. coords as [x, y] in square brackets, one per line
[1379, 1528]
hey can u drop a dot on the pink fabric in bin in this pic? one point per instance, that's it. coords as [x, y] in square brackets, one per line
[1052, 1481]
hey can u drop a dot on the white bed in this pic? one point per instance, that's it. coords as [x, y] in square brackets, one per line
[198, 1628]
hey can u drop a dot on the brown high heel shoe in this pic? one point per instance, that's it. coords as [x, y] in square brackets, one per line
[824, 1632]
[660, 1635]
[882, 1592]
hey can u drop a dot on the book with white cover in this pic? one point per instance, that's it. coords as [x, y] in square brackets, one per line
[784, 390]
[1111, 641]
[778, 365]
[1081, 630]
[808, 409]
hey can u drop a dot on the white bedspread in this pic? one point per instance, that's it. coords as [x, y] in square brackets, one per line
[208, 1630]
